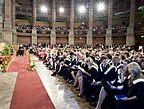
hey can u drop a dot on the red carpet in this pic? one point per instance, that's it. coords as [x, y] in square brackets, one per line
[29, 92]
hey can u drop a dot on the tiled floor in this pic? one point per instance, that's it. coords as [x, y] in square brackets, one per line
[7, 83]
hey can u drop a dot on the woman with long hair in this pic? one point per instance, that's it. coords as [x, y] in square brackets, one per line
[135, 95]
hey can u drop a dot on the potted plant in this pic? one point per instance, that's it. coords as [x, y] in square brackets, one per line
[32, 65]
[1, 68]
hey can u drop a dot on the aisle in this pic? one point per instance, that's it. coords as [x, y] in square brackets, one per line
[63, 95]
[29, 92]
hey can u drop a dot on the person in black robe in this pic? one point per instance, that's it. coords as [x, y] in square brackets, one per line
[21, 50]
[106, 96]
[135, 95]
[142, 65]
[108, 74]
[89, 89]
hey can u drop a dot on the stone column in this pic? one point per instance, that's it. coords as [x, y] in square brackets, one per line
[53, 31]
[109, 30]
[7, 32]
[71, 32]
[34, 31]
[14, 38]
[130, 39]
[89, 32]
[1, 14]
[1, 20]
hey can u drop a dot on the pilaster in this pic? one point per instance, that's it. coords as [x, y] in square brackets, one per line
[90, 24]
[108, 39]
[130, 39]
[14, 35]
[7, 31]
[71, 37]
[71, 32]
[34, 30]
[34, 36]
[53, 31]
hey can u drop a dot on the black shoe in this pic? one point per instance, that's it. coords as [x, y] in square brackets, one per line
[75, 86]
[53, 74]
[70, 81]
[89, 99]
[47, 65]
[51, 68]
[81, 95]
[94, 104]
[77, 89]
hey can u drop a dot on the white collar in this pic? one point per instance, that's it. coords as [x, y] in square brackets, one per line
[94, 67]
[138, 80]
[107, 71]
[101, 68]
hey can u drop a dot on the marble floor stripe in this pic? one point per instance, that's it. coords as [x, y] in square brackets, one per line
[59, 94]
[62, 96]
[7, 84]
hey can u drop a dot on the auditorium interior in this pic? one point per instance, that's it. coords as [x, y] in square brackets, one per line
[71, 54]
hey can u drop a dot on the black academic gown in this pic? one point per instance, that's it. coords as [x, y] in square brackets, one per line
[108, 74]
[87, 80]
[137, 89]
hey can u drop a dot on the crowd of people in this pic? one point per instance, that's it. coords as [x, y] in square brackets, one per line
[28, 29]
[100, 73]
[82, 29]
[115, 29]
